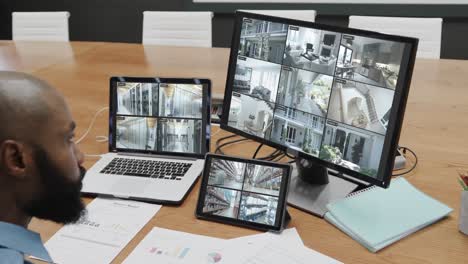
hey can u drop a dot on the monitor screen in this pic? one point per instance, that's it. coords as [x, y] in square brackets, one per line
[329, 39]
[244, 191]
[333, 112]
[326, 52]
[159, 117]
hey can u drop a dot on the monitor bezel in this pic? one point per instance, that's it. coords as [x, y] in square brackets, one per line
[395, 121]
[206, 115]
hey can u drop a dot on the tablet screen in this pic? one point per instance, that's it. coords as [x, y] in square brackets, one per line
[244, 190]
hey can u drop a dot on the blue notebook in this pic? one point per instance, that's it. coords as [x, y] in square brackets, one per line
[377, 217]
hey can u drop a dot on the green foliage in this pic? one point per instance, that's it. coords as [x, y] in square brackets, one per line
[320, 83]
[307, 143]
[330, 153]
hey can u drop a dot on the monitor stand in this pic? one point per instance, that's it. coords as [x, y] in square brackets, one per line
[312, 187]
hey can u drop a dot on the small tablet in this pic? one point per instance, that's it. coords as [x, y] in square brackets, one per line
[245, 192]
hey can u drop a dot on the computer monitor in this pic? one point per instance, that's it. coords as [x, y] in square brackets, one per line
[329, 39]
[326, 52]
[337, 116]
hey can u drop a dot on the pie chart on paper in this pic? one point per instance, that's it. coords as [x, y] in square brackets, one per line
[214, 257]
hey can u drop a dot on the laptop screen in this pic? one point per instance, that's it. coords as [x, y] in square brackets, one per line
[160, 116]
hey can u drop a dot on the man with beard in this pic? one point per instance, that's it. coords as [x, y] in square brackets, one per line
[40, 165]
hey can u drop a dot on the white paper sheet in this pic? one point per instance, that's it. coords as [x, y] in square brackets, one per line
[164, 246]
[279, 253]
[99, 236]
[272, 248]
[288, 236]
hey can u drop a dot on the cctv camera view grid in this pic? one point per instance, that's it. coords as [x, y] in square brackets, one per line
[159, 117]
[325, 93]
[247, 192]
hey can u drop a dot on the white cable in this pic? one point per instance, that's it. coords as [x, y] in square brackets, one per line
[101, 139]
[91, 124]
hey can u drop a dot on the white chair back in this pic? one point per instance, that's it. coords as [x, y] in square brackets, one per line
[305, 15]
[40, 26]
[191, 29]
[427, 30]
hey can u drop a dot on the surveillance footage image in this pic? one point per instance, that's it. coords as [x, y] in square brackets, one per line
[360, 105]
[159, 117]
[178, 100]
[371, 61]
[352, 148]
[136, 132]
[305, 91]
[330, 97]
[298, 130]
[137, 98]
[180, 135]
[243, 191]
[227, 174]
[257, 78]
[250, 114]
[159, 134]
[263, 179]
[263, 40]
[222, 202]
[311, 49]
[258, 208]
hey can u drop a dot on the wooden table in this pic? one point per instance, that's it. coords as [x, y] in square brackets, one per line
[435, 127]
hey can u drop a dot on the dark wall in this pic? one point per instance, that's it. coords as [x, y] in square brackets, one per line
[121, 20]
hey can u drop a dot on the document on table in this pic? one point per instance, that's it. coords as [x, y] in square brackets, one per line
[173, 247]
[271, 248]
[279, 253]
[288, 236]
[102, 233]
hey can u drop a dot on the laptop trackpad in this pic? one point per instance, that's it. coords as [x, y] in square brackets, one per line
[129, 186]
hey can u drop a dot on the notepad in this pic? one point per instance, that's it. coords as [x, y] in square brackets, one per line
[377, 217]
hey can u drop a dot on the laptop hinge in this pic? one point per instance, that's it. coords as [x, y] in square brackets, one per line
[156, 156]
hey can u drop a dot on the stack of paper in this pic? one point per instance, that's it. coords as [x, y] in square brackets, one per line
[174, 247]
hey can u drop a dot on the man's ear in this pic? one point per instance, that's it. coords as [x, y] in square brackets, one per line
[12, 158]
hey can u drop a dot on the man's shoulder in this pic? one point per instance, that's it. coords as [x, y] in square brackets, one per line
[10, 256]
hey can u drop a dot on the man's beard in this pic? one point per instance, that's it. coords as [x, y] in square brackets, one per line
[59, 200]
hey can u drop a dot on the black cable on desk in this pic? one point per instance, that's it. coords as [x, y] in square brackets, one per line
[256, 151]
[222, 139]
[279, 157]
[404, 149]
[218, 148]
[270, 156]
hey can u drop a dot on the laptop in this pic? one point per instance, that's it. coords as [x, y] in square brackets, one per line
[158, 137]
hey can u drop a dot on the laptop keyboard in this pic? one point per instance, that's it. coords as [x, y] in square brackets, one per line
[147, 168]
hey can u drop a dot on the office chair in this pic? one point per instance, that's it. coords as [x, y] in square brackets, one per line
[305, 15]
[427, 30]
[40, 26]
[308, 53]
[190, 29]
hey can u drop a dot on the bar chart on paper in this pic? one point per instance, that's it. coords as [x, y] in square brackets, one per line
[180, 253]
[174, 247]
